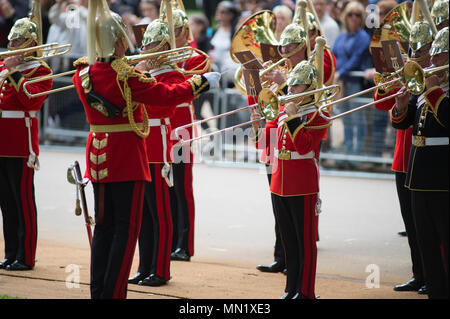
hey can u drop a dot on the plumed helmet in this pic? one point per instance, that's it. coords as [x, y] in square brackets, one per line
[421, 34]
[312, 22]
[23, 28]
[293, 33]
[157, 31]
[180, 19]
[104, 29]
[109, 30]
[439, 11]
[440, 43]
[303, 73]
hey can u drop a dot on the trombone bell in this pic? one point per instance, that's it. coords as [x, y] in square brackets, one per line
[268, 104]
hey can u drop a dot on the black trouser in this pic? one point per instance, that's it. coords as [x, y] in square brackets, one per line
[430, 211]
[182, 207]
[118, 215]
[404, 197]
[278, 249]
[155, 237]
[298, 228]
[18, 206]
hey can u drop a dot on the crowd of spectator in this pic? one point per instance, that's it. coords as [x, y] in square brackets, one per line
[213, 24]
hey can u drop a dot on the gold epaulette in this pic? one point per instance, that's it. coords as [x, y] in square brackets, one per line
[81, 61]
[45, 65]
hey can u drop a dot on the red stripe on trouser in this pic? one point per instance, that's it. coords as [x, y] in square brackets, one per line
[29, 213]
[133, 233]
[189, 196]
[309, 246]
[165, 225]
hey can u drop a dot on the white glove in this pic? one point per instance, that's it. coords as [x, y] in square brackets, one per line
[213, 79]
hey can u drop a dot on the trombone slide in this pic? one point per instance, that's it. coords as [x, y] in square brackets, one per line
[331, 118]
[44, 78]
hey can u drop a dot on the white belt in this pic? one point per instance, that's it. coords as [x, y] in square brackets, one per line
[159, 122]
[183, 105]
[420, 141]
[292, 155]
[16, 114]
[33, 161]
[166, 171]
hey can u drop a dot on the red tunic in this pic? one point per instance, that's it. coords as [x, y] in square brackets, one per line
[156, 143]
[13, 98]
[184, 112]
[403, 139]
[295, 177]
[121, 156]
[329, 66]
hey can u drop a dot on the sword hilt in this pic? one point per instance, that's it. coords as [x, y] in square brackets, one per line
[78, 207]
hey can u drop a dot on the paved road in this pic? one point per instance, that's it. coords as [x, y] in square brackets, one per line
[358, 226]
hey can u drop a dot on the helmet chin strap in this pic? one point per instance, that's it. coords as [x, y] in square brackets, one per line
[293, 52]
[22, 46]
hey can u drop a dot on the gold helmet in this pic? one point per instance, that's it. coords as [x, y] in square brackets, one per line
[303, 73]
[421, 34]
[439, 11]
[23, 28]
[104, 29]
[181, 20]
[312, 22]
[440, 43]
[110, 30]
[157, 31]
[293, 33]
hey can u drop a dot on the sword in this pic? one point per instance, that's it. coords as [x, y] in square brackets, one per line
[74, 177]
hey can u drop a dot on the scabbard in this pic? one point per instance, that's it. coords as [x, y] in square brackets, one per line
[88, 220]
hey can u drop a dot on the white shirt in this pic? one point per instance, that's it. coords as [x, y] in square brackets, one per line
[330, 29]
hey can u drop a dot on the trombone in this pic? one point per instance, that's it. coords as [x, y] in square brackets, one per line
[52, 49]
[173, 56]
[411, 76]
[268, 107]
[165, 57]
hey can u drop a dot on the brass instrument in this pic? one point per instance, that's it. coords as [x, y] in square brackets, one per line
[44, 51]
[258, 28]
[168, 57]
[268, 107]
[411, 76]
[395, 26]
[269, 103]
[161, 58]
[170, 12]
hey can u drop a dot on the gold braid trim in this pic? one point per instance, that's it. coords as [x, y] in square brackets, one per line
[317, 127]
[81, 61]
[125, 71]
[206, 65]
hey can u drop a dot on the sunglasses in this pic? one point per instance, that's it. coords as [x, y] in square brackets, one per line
[351, 14]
